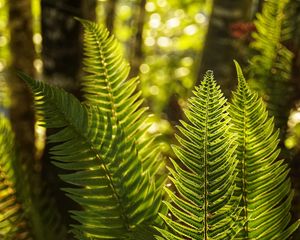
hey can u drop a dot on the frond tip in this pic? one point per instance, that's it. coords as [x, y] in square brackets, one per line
[204, 206]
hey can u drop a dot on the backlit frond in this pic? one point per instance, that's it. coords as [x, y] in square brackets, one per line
[13, 222]
[106, 85]
[262, 179]
[203, 206]
[270, 69]
[117, 194]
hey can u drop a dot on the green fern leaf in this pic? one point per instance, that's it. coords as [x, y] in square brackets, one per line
[47, 215]
[13, 222]
[117, 194]
[262, 179]
[4, 97]
[204, 206]
[30, 211]
[270, 69]
[105, 85]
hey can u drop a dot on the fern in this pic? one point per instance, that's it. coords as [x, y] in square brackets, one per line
[24, 214]
[117, 192]
[105, 85]
[47, 216]
[228, 182]
[270, 69]
[13, 223]
[262, 180]
[4, 97]
[204, 206]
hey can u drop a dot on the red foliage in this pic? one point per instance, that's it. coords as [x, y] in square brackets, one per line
[242, 30]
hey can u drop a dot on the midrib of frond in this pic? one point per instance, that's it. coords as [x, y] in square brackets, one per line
[241, 96]
[94, 150]
[244, 167]
[205, 167]
[108, 85]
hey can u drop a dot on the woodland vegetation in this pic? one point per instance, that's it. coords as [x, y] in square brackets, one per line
[149, 119]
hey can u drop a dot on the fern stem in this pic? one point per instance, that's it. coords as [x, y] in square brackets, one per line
[205, 168]
[108, 86]
[244, 170]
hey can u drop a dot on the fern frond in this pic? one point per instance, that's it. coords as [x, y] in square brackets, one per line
[13, 222]
[36, 204]
[203, 206]
[23, 214]
[105, 85]
[262, 179]
[4, 97]
[270, 69]
[50, 218]
[117, 194]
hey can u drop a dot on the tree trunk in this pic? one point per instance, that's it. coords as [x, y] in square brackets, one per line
[62, 40]
[110, 14]
[221, 46]
[137, 43]
[22, 57]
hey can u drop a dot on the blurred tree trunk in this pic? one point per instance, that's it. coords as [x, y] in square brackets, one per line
[137, 56]
[111, 6]
[221, 47]
[22, 57]
[62, 56]
[62, 40]
[294, 45]
[256, 7]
